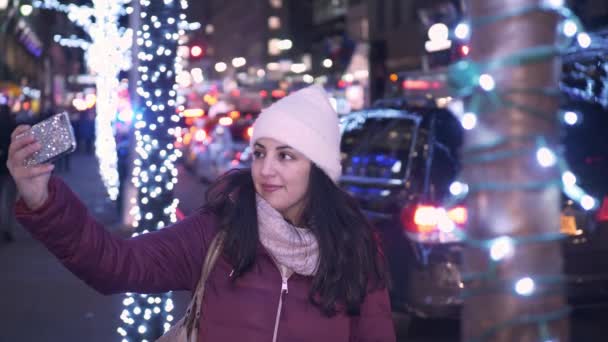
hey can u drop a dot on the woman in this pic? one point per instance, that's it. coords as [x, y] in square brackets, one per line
[299, 262]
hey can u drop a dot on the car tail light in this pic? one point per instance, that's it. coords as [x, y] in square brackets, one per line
[602, 214]
[200, 135]
[432, 224]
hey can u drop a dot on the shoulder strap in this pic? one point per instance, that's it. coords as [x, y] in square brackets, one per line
[213, 252]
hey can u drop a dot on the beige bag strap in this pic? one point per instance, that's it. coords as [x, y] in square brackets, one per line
[192, 321]
[186, 329]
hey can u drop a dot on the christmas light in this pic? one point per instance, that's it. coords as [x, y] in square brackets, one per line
[469, 121]
[155, 171]
[584, 40]
[501, 248]
[545, 157]
[462, 31]
[108, 53]
[525, 286]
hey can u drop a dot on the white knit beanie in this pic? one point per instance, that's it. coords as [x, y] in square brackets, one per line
[306, 121]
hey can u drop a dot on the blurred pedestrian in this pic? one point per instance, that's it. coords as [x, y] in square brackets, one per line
[87, 130]
[297, 259]
[8, 191]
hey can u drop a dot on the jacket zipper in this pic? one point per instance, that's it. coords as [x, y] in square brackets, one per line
[284, 291]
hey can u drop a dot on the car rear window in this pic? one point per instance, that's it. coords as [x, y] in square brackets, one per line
[378, 147]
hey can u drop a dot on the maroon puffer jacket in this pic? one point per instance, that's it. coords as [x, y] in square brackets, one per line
[171, 259]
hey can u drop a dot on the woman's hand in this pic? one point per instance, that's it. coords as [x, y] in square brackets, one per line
[32, 181]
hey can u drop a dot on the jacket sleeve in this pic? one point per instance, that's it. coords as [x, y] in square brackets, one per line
[168, 259]
[375, 324]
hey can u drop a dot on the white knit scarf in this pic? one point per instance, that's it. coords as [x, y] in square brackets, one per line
[292, 247]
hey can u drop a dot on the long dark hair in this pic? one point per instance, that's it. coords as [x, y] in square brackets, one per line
[351, 261]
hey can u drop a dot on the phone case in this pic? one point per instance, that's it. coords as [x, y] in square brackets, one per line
[56, 136]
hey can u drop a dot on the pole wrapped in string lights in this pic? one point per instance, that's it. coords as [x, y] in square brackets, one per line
[146, 317]
[107, 54]
[474, 81]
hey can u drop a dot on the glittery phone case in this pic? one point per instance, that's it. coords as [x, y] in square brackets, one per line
[56, 136]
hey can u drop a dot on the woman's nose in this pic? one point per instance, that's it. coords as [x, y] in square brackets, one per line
[268, 167]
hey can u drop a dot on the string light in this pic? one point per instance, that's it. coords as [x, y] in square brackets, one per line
[525, 286]
[472, 80]
[155, 166]
[108, 53]
[501, 248]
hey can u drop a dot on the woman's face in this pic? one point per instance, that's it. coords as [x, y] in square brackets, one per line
[280, 175]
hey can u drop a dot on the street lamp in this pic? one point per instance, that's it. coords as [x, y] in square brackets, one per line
[328, 63]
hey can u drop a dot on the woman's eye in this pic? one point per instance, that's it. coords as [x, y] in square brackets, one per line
[258, 154]
[286, 156]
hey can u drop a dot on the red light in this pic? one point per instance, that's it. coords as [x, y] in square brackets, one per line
[341, 84]
[26, 106]
[225, 121]
[464, 50]
[278, 93]
[416, 85]
[425, 219]
[196, 51]
[602, 214]
[263, 93]
[235, 93]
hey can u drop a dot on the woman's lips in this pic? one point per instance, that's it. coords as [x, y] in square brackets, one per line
[268, 188]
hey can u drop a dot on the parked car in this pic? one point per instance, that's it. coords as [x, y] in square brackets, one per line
[399, 162]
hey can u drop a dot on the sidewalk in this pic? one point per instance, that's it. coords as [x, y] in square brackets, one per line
[42, 301]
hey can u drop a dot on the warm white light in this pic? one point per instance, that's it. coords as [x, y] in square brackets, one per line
[238, 62]
[469, 121]
[443, 221]
[568, 178]
[438, 32]
[462, 31]
[261, 73]
[220, 67]
[486, 82]
[545, 157]
[308, 78]
[571, 118]
[584, 40]
[141, 329]
[501, 248]
[285, 44]
[553, 3]
[525, 286]
[570, 28]
[273, 66]
[328, 63]
[587, 202]
[298, 68]
[26, 10]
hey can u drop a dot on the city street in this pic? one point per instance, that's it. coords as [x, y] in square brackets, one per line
[42, 301]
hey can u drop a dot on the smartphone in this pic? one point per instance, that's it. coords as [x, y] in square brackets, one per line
[56, 136]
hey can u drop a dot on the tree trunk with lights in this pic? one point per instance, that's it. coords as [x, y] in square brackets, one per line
[516, 213]
[147, 317]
